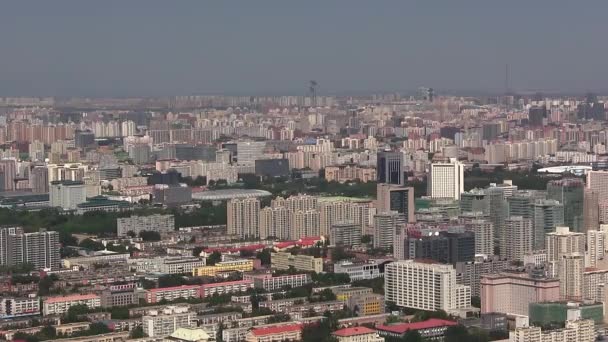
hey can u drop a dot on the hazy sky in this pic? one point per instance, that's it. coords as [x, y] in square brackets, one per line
[128, 47]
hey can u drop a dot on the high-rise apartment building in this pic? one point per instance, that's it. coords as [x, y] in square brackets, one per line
[517, 239]
[243, 217]
[562, 242]
[389, 167]
[8, 172]
[596, 247]
[548, 214]
[484, 235]
[136, 224]
[345, 233]
[67, 194]
[569, 192]
[275, 222]
[304, 223]
[571, 268]
[249, 151]
[396, 198]
[446, 180]
[424, 286]
[40, 249]
[39, 180]
[385, 226]
[597, 181]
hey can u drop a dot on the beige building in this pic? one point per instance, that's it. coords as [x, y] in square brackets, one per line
[563, 241]
[575, 330]
[397, 198]
[357, 334]
[512, 293]
[344, 173]
[243, 217]
[517, 239]
[276, 332]
[597, 181]
[284, 260]
[160, 323]
[571, 268]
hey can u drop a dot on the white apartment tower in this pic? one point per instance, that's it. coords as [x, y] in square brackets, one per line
[446, 180]
[243, 217]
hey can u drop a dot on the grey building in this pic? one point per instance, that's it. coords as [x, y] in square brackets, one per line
[172, 195]
[345, 233]
[272, 167]
[570, 193]
[389, 167]
[84, 139]
[40, 249]
[385, 226]
[548, 214]
[157, 223]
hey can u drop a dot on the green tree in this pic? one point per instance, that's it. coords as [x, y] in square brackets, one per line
[75, 312]
[412, 336]
[196, 251]
[91, 245]
[148, 235]
[98, 328]
[476, 302]
[214, 258]
[265, 256]
[119, 312]
[137, 332]
[457, 333]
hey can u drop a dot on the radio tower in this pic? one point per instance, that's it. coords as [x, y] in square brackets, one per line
[313, 92]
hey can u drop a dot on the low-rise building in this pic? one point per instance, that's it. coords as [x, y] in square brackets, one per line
[241, 265]
[60, 304]
[112, 298]
[431, 329]
[301, 262]
[173, 293]
[357, 334]
[163, 323]
[271, 283]
[225, 287]
[277, 332]
[359, 270]
[16, 307]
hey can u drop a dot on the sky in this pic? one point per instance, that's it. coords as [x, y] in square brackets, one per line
[258, 47]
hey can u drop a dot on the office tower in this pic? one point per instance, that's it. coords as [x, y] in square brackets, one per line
[591, 215]
[385, 226]
[536, 115]
[569, 192]
[517, 239]
[8, 172]
[562, 242]
[474, 201]
[446, 180]
[396, 198]
[139, 154]
[424, 286]
[249, 151]
[484, 235]
[548, 214]
[274, 222]
[521, 203]
[84, 139]
[596, 247]
[67, 194]
[40, 249]
[36, 151]
[571, 268]
[136, 224]
[389, 167]
[346, 233]
[445, 247]
[39, 180]
[243, 217]
[304, 223]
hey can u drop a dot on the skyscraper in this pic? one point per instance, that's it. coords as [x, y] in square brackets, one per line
[446, 180]
[569, 191]
[571, 268]
[548, 214]
[396, 198]
[484, 236]
[389, 167]
[39, 180]
[8, 171]
[562, 242]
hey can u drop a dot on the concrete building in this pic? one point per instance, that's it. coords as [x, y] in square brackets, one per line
[424, 286]
[512, 293]
[357, 334]
[241, 265]
[359, 270]
[578, 330]
[173, 293]
[271, 283]
[571, 268]
[300, 262]
[11, 307]
[591, 214]
[243, 217]
[61, 304]
[39, 180]
[446, 180]
[396, 198]
[385, 225]
[161, 323]
[548, 214]
[469, 273]
[517, 239]
[8, 173]
[597, 181]
[67, 194]
[484, 236]
[40, 249]
[389, 167]
[569, 192]
[596, 247]
[345, 233]
[563, 241]
[136, 224]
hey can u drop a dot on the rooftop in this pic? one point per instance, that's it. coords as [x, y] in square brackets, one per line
[228, 194]
[61, 299]
[279, 329]
[402, 328]
[354, 331]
